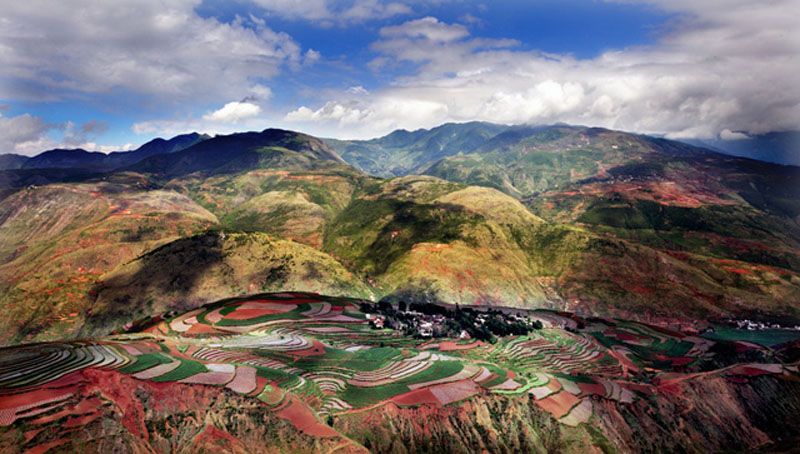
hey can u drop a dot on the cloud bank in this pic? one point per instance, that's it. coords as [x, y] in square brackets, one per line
[162, 52]
[724, 65]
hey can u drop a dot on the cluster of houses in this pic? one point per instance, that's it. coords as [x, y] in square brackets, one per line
[429, 320]
[751, 325]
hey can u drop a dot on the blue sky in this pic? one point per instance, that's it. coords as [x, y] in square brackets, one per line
[130, 71]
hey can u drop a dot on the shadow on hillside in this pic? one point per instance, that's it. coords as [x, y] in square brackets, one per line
[174, 269]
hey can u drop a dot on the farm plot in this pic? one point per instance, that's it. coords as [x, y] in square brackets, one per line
[556, 351]
[34, 366]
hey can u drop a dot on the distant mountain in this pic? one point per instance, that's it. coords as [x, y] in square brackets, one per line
[155, 147]
[11, 161]
[777, 147]
[87, 160]
[240, 151]
[61, 158]
[406, 152]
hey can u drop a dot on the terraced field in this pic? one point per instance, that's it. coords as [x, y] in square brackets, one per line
[309, 359]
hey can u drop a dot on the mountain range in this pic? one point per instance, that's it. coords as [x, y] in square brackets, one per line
[584, 219]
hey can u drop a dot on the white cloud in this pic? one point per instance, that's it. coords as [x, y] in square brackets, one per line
[723, 65]
[233, 112]
[357, 90]
[727, 134]
[23, 134]
[328, 12]
[310, 57]
[29, 135]
[428, 28]
[164, 50]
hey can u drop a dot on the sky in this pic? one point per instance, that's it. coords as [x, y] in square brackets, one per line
[111, 75]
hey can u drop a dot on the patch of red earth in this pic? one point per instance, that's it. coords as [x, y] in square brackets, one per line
[742, 346]
[416, 397]
[261, 382]
[85, 406]
[447, 346]
[681, 360]
[558, 404]
[623, 335]
[304, 419]
[200, 328]
[247, 314]
[45, 447]
[511, 374]
[317, 348]
[32, 397]
[278, 305]
[592, 388]
[638, 387]
[31, 434]
[82, 420]
[213, 439]
[117, 388]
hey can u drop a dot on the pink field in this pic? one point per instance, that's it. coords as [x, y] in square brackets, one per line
[12, 406]
[244, 381]
[455, 391]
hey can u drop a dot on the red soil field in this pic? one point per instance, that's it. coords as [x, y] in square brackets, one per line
[447, 346]
[592, 388]
[201, 328]
[32, 397]
[247, 314]
[558, 404]
[317, 348]
[304, 420]
[681, 360]
[416, 397]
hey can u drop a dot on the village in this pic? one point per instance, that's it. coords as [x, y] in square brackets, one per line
[438, 321]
